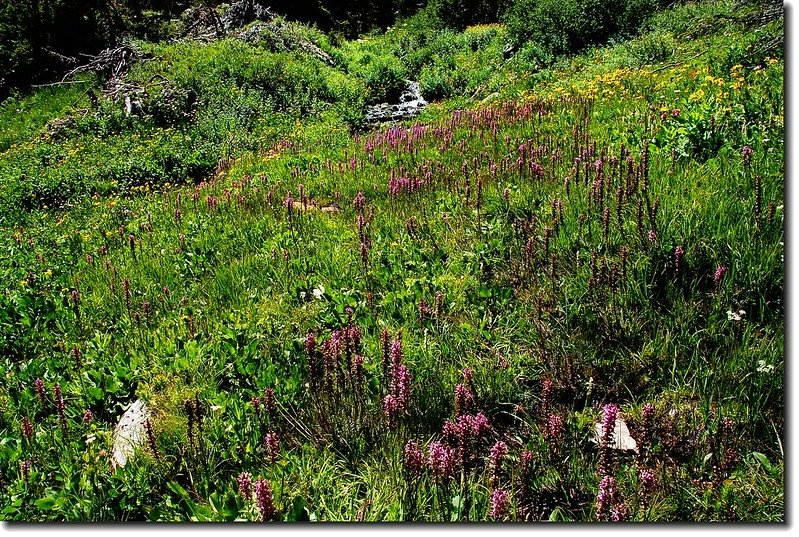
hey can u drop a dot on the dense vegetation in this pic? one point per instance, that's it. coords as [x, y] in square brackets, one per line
[426, 321]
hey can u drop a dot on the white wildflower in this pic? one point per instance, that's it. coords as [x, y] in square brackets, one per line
[763, 367]
[735, 316]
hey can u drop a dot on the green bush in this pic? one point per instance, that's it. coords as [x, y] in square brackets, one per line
[567, 26]
[652, 48]
[532, 57]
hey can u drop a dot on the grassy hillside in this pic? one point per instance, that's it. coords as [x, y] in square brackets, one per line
[419, 322]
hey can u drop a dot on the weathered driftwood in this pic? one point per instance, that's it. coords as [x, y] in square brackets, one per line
[114, 62]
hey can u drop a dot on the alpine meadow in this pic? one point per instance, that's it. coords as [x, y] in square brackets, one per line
[392, 260]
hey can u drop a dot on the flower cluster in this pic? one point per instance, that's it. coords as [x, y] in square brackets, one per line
[264, 500]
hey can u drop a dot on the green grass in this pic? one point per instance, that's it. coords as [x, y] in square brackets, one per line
[181, 285]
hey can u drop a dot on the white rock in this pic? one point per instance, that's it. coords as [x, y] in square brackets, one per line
[130, 433]
[622, 440]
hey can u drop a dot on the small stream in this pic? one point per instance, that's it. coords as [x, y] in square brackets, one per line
[410, 103]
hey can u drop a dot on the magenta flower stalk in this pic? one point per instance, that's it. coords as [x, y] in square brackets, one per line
[746, 155]
[390, 409]
[463, 399]
[647, 425]
[679, 254]
[624, 252]
[132, 244]
[38, 386]
[721, 270]
[605, 497]
[25, 469]
[480, 425]
[310, 353]
[396, 352]
[364, 254]
[527, 461]
[649, 483]
[609, 417]
[148, 427]
[352, 335]
[401, 387]
[546, 396]
[27, 429]
[264, 500]
[499, 504]
[554, 429]
[468, 374]
[441, 461]
[359, 202]
[245, 485]
[652, 236]
[619, 512]
[272, 446]
[88, 416]
[413, 458]
[270, 406]
[357, 369]
[127, 293]
[495, 456]
[76, 355]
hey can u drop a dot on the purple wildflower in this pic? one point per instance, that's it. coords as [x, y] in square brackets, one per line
[88, 416]
[25, 469]
[310, 353]
[245, 485]
[480, 425]
[357, 369]
[649, 483]
[463, 399]
[554, 428]
[413, 457]
[499, 503]
[390, 407]
[359, 202]
[609, 416]
[441, 460]
[402, 387]
[605, 497]
[148, 427]
[746, 155]
[679, 254]
[27, 429]
[38, 385]
[495, 456]
[721, 270]
[272, 445]
[468, 373]
[270, 406]
[264, 499]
